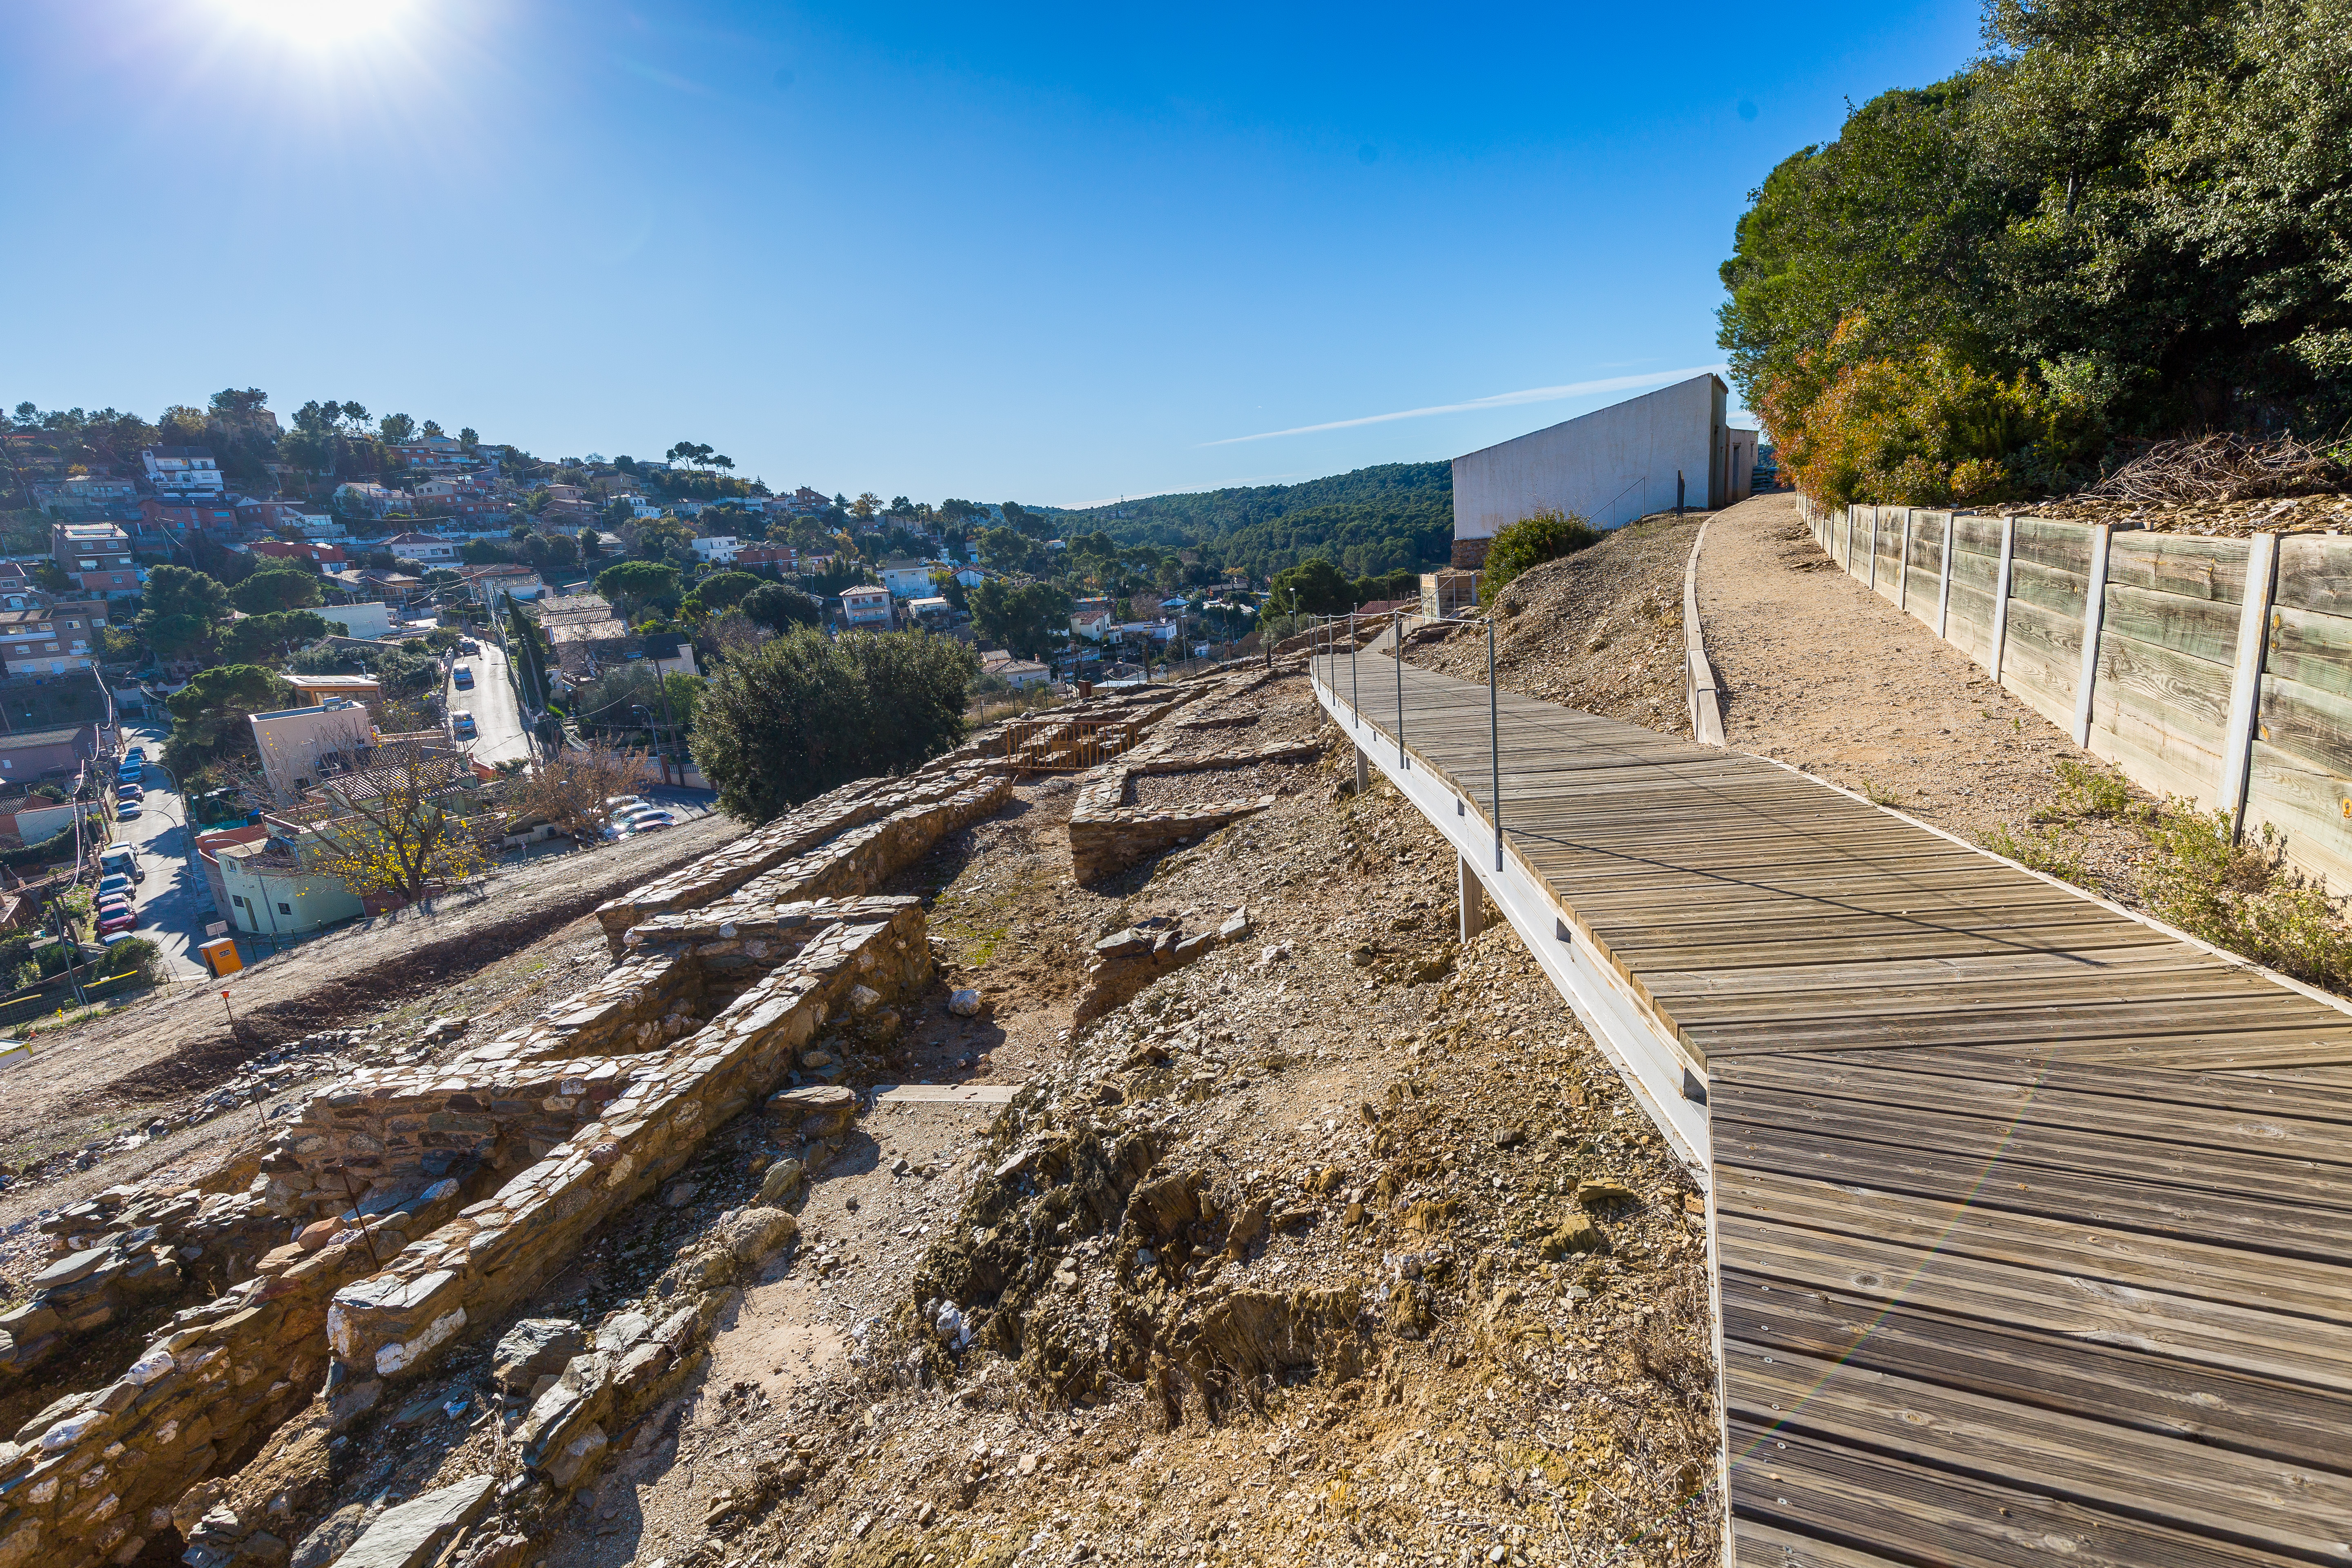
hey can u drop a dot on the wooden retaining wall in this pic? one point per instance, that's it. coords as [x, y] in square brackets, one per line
[2219, 670]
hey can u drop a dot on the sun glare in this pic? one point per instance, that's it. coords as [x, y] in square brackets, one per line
[319, 23]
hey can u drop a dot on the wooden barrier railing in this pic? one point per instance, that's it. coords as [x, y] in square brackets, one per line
[2215, 669]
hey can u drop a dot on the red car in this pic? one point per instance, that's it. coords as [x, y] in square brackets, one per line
[120, 919]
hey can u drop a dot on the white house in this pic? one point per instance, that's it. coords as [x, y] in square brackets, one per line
[717, 548]
[907, 579]
[182, 471]
[428, 548]
[1645, 455]
[359, 620]
[867, 607]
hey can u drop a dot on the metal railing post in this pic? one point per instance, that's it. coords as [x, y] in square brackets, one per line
[1396, 651]
[1495, 739]
[1355, 688]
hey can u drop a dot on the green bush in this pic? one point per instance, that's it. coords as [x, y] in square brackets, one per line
[1531, 541]
[138, 955]
[59, 846]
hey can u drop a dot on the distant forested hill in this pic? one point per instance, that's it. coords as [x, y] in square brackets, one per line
[1366, 523]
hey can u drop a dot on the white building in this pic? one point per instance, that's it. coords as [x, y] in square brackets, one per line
[428, 548]
[359, 620]
[717, 548]
[182, 471]
[295, 741]
[1644, 455]
[907, 579]
[869, 607]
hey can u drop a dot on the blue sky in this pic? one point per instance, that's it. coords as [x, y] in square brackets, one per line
[1051, 254]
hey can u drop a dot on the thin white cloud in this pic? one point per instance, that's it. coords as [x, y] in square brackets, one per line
[1500, 400]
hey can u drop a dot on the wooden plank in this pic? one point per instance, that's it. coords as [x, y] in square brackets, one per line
[1976, 535]
[2201, 629]
[2258, 1503]
[2306, 725]
[2042, 659]
[2053, 545]
[2310, 647]
[2180, 565]
[2129, 1385]
[1799, 1500]
[2311, 806]
[2314, 572]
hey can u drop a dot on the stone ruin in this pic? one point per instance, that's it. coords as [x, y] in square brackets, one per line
[411, 1207]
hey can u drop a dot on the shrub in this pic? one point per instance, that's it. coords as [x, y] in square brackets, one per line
[137, 955]
[1531, 541]
[1927, 430]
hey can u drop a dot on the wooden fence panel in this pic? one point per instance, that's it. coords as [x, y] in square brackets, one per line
[1926, 565]
[1887, 546]
[2312, 806]
[2168, 639]
[1976, 572]
[2043, 663]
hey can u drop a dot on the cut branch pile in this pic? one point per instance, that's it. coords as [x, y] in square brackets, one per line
[2225, 469]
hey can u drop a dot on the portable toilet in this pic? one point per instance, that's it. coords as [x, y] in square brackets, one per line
[220, 956]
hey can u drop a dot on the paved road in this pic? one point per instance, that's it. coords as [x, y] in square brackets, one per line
[173, 905]
[500, 736]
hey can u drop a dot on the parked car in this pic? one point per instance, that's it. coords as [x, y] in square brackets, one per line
[119, 863]
[469, 646]
[130, 772]
[642, 816]
[115, 882]
[129, 791]
[129, 812]
[464, 678]
[462, 725]
[122, 920]
[135, 754]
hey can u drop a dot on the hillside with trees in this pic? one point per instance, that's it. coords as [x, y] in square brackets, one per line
[2123, 224]
[1368, 523]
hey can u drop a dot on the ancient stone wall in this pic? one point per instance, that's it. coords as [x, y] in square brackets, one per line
[728, 968]
[1107, 835]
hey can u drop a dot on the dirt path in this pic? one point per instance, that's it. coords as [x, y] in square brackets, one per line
[128, 1077]
[1822, 673]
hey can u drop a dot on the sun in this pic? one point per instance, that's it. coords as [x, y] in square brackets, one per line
[319, 23]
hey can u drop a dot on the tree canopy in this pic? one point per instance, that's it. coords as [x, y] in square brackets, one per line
[1024, 621]
[209, 714]
[178, 610]
[639, 583]
[2124, 223]
[276, 585]
[801, 714]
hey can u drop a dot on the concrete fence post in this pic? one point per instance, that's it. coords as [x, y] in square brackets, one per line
[1944, 588]
[1903, 566]
[2001, 597]
[1871, 580]
[2246, 679]
[2095, 610]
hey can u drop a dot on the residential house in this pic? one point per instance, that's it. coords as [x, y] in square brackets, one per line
[376, 583]
[439, 454]
[208, 848]
[370, 619]
[511, 579]
[265, 515]
[930, 612]
[28, 756]
[1019, 673]
[164, 522]
[717, 548]
[42, 642]
[85, 495]
[321, 689]
[805, 501]
[15, 588]
[971, 577]
[364, 500]
[1090, 625]
[906, 578]
[271, 885]
[431, 549]
[582, 629]
[89, 546]
[671, 653]
[325, 557]
[183, 471]
[300, 746]
[869, 608]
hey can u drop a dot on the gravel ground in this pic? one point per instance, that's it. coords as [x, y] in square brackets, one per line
[1822, 673]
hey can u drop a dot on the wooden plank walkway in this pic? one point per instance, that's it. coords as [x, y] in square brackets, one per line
[2033, 1223]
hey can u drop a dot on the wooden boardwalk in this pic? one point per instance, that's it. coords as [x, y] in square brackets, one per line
[2033, 1223]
